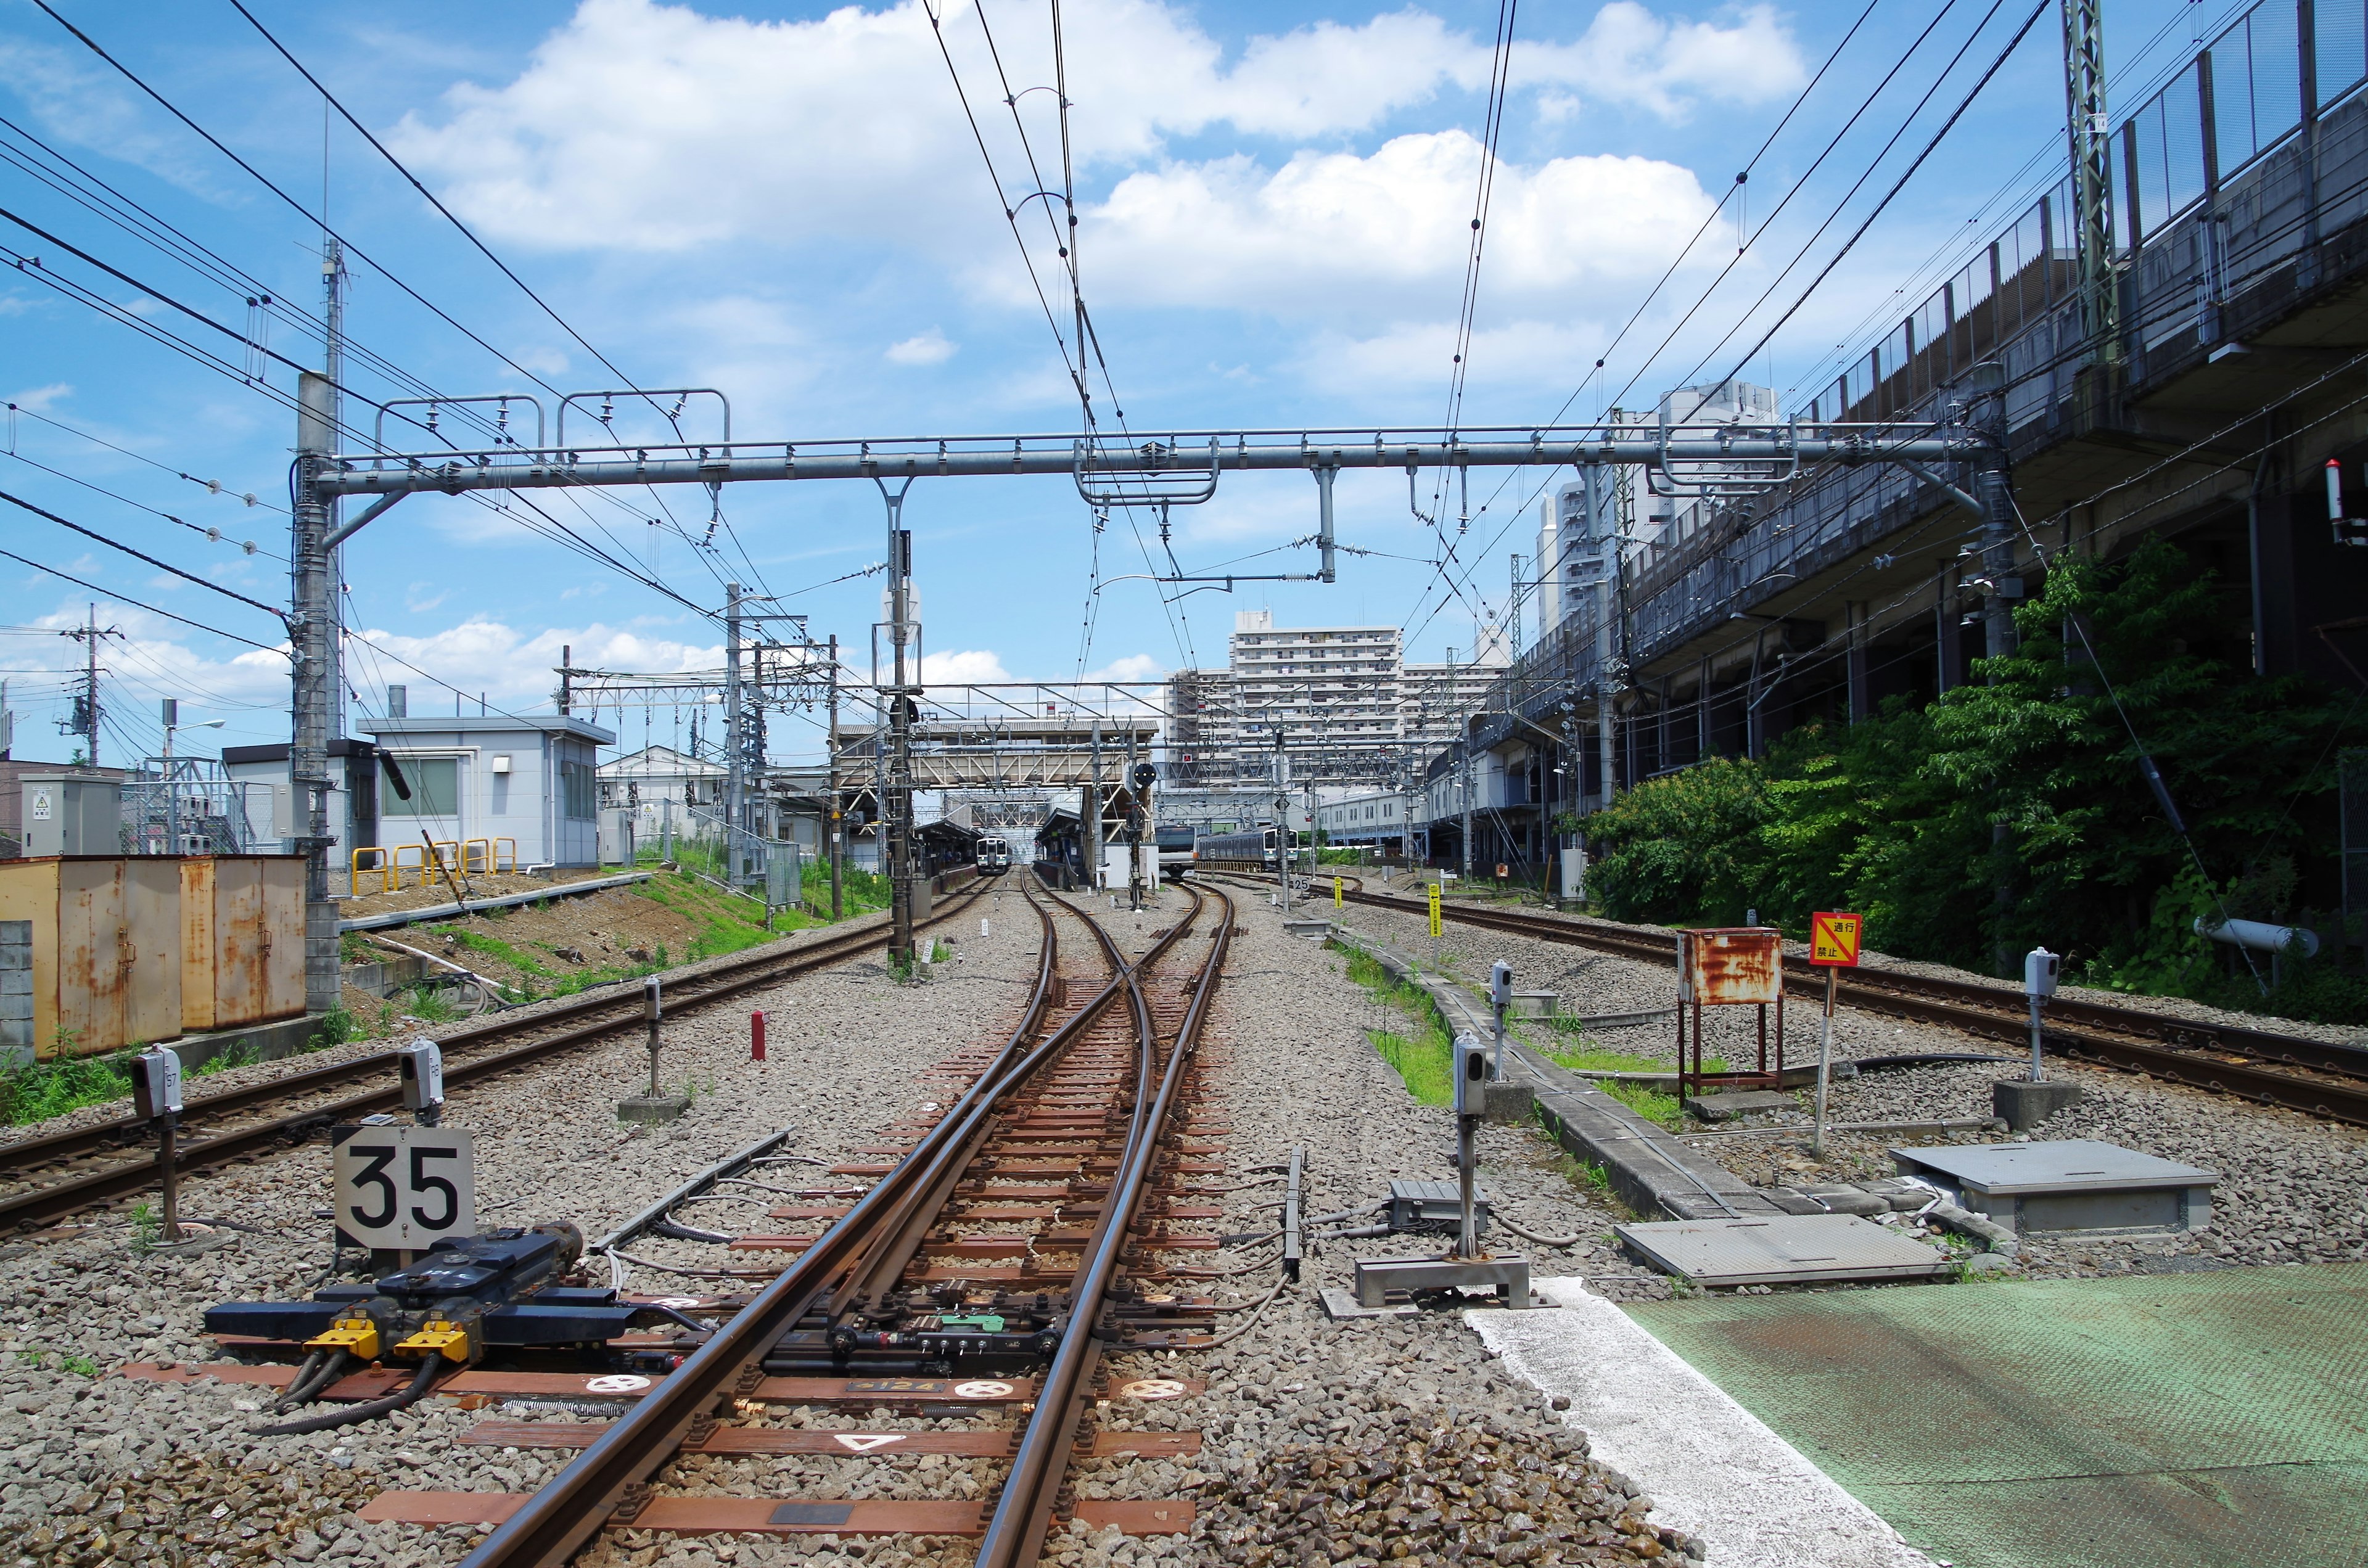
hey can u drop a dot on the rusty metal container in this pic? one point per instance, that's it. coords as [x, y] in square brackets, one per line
[1728, 966]
[242, 939]
[110, 935]
[1731, 966]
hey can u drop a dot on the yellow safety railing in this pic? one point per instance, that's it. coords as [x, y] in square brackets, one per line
[513, 865]
[476, 855]
[380, 870]
[418, 862]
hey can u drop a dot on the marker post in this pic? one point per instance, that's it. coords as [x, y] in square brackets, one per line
[1833, 946]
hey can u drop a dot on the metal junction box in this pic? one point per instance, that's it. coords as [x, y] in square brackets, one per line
[2075, 1184]
[1434, 1206]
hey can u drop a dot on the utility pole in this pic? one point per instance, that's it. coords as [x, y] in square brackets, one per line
[88, 637]
[1463, 746]
[2092, 139]
[566, 678]
[333, 368]
[1513, 608]
[1134, 828]
[1283, 845]
[1603, 538]
[1093, 817]
[736, 779]
[903, 700]
[314, 676]
[832, 825]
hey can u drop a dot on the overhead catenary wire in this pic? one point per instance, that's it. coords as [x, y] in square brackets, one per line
[20, 502]
[120, 598]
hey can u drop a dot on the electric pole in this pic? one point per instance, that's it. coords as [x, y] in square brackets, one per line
[736, 779]
[1093, 817]
[332, 368]
[2091, 138]
[85, 723]
[313, 677]
[831, 824]
[903, 696]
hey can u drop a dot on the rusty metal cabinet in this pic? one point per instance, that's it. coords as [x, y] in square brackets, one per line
[130, 950]
[242, 939]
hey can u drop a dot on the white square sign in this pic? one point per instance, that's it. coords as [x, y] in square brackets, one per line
[403, 1189]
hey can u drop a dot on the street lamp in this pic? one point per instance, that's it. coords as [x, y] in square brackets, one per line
[205, 724]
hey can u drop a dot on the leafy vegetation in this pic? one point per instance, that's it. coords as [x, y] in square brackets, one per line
[1422, 1053]
[2012, 813]
[39, 1090]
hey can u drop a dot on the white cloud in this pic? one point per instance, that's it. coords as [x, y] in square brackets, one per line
[777, 126]
[515, 669]
[1133, 667]
[40, 400]
[1390, 225]
[928, 348]
[967, 665]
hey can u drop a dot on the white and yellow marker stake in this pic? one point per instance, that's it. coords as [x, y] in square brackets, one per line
[1833, 946]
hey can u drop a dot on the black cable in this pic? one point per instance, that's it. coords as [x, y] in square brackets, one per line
[280, 616]
[350, 248]
[396, 164]
[135, 604]
[368, 1410]
[1948, 125]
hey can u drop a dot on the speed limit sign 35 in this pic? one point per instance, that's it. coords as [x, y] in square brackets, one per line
[403, 1189]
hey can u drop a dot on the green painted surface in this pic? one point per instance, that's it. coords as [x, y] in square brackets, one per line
[2157, 1421]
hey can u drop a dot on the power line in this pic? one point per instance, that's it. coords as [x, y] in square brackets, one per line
[279, 616]
[111, 594]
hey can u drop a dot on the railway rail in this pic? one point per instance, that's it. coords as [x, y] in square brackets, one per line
[2314, 1077]
[61, 1173]
[1061, 1124]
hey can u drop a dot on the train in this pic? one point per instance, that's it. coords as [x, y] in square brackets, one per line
[1175, 844]
[1252, 851]
[994, 857]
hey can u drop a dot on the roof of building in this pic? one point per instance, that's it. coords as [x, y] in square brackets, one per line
[491, 724]
[661, 761]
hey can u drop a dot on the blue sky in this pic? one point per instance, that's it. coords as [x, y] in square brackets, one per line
[786, 203]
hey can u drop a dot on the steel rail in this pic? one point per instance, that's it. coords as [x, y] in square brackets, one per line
[1023, 1509]
[574, 1505]
[2165, 1047]
[35, 1204]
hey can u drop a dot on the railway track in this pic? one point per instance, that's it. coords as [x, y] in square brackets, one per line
[987, 1269]
[2312, 1076]
[49, 1177]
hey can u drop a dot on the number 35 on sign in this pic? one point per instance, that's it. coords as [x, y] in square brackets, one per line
[403, 1188]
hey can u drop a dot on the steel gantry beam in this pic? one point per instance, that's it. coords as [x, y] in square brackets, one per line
[1782, 448]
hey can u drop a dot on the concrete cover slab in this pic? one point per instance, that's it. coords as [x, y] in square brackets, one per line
[1712, 1468]
[2070, 1165]
[1782, 1248]
[2192, 1420]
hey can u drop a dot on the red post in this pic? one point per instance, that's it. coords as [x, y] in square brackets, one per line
[757, 1037]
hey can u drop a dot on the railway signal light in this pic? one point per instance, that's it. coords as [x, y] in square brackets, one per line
[420, 1064]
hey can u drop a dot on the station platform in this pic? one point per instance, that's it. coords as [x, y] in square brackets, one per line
[2189, 1420]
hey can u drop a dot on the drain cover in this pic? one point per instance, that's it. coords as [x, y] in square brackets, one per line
[1782, 1249]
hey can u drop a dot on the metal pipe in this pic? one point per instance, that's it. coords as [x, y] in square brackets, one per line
[990, 456]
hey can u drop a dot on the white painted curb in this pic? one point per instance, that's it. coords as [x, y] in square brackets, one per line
[1712, 1468]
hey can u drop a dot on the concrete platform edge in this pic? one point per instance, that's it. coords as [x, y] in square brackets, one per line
[1713, 1468]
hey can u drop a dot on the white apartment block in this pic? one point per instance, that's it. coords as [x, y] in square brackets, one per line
[1330, 692]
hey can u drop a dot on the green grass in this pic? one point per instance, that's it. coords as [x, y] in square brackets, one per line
[722, 921]
[1422, 1056]
[40, 1090]
[429, 1005]
[242, 1054]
